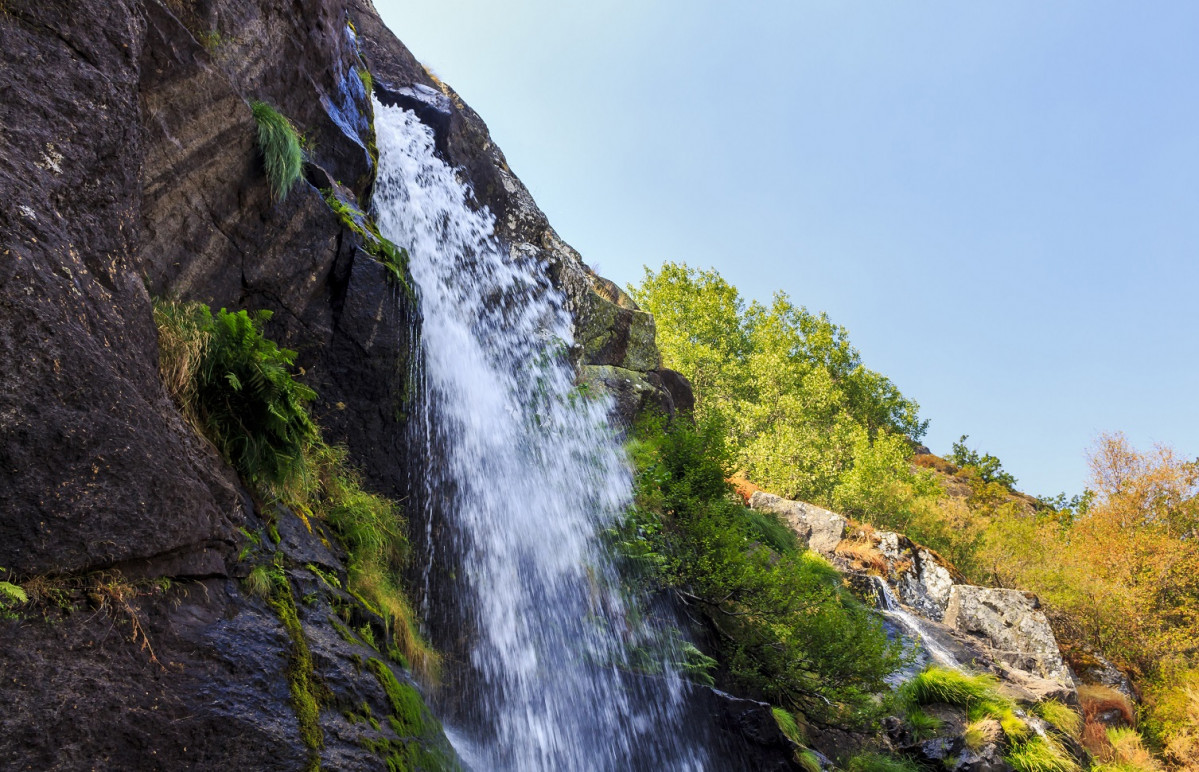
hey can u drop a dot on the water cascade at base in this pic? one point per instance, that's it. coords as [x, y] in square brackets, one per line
[556, 668]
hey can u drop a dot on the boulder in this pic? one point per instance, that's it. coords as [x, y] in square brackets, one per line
[820, 529]
[1011, 624]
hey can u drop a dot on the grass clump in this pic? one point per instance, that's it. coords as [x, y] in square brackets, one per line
[1128, 750]
[981, 733]
[809, 761]
[788, 725]
[238, 387]
[772, 531]
[938, 684]
[922, 724]
[1041, 754]
[280, 145]
[259, 582]
[879, 762]
[1062, 717]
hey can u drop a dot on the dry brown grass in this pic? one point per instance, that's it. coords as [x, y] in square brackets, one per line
[182, 342]
[929, 461]
[1095, 700]
[981, 733]
[858, 548]
[743, 487]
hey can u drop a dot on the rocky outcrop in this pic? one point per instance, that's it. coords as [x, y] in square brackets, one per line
[819, 529]
[130, 159]
[1011, 624]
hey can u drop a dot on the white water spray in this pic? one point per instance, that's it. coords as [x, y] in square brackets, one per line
[525, 472]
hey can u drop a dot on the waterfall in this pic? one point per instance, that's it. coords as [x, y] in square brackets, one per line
[913, 628]
[522, 474]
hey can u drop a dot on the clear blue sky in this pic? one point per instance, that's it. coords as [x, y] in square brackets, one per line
[999, 200]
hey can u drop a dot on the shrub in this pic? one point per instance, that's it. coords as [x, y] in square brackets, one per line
[280, 145]
[987, 467]
[787, 629]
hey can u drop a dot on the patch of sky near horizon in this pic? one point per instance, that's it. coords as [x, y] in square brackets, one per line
[998, 200]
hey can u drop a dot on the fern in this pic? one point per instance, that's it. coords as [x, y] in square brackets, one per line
[255, 412]
[12, 594]
[280, 145]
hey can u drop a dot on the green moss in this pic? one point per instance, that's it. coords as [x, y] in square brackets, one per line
[809, 761]
[280, 145]
[306, 692]
[421, 745]
[385, 252]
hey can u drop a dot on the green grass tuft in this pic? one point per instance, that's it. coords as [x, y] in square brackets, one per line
[809, 761]
[260, 582]
[878, 762]
[1062, 717]
[941, 685]
[788, 725]
[280, 145]
[1041, 754]
[922, 724]
[772, 531]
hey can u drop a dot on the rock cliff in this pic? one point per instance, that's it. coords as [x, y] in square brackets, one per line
[130, 170]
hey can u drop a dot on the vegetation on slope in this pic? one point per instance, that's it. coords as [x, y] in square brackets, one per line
[784, 626]
[236, 386]
[1118, 566]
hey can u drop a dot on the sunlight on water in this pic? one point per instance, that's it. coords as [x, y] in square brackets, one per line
[535, 473]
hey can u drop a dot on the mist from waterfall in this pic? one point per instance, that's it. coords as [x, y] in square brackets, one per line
[522, 473]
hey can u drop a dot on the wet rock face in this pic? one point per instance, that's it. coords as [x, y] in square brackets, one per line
[820, 529]
[96, 465]
[1011, 625]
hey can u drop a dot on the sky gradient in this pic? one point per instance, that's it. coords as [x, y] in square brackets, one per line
[999, 201]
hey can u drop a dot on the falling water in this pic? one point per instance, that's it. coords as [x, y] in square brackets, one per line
[912, 628]
[525, 473]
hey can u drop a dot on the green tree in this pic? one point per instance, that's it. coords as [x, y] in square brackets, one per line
[788, 387]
